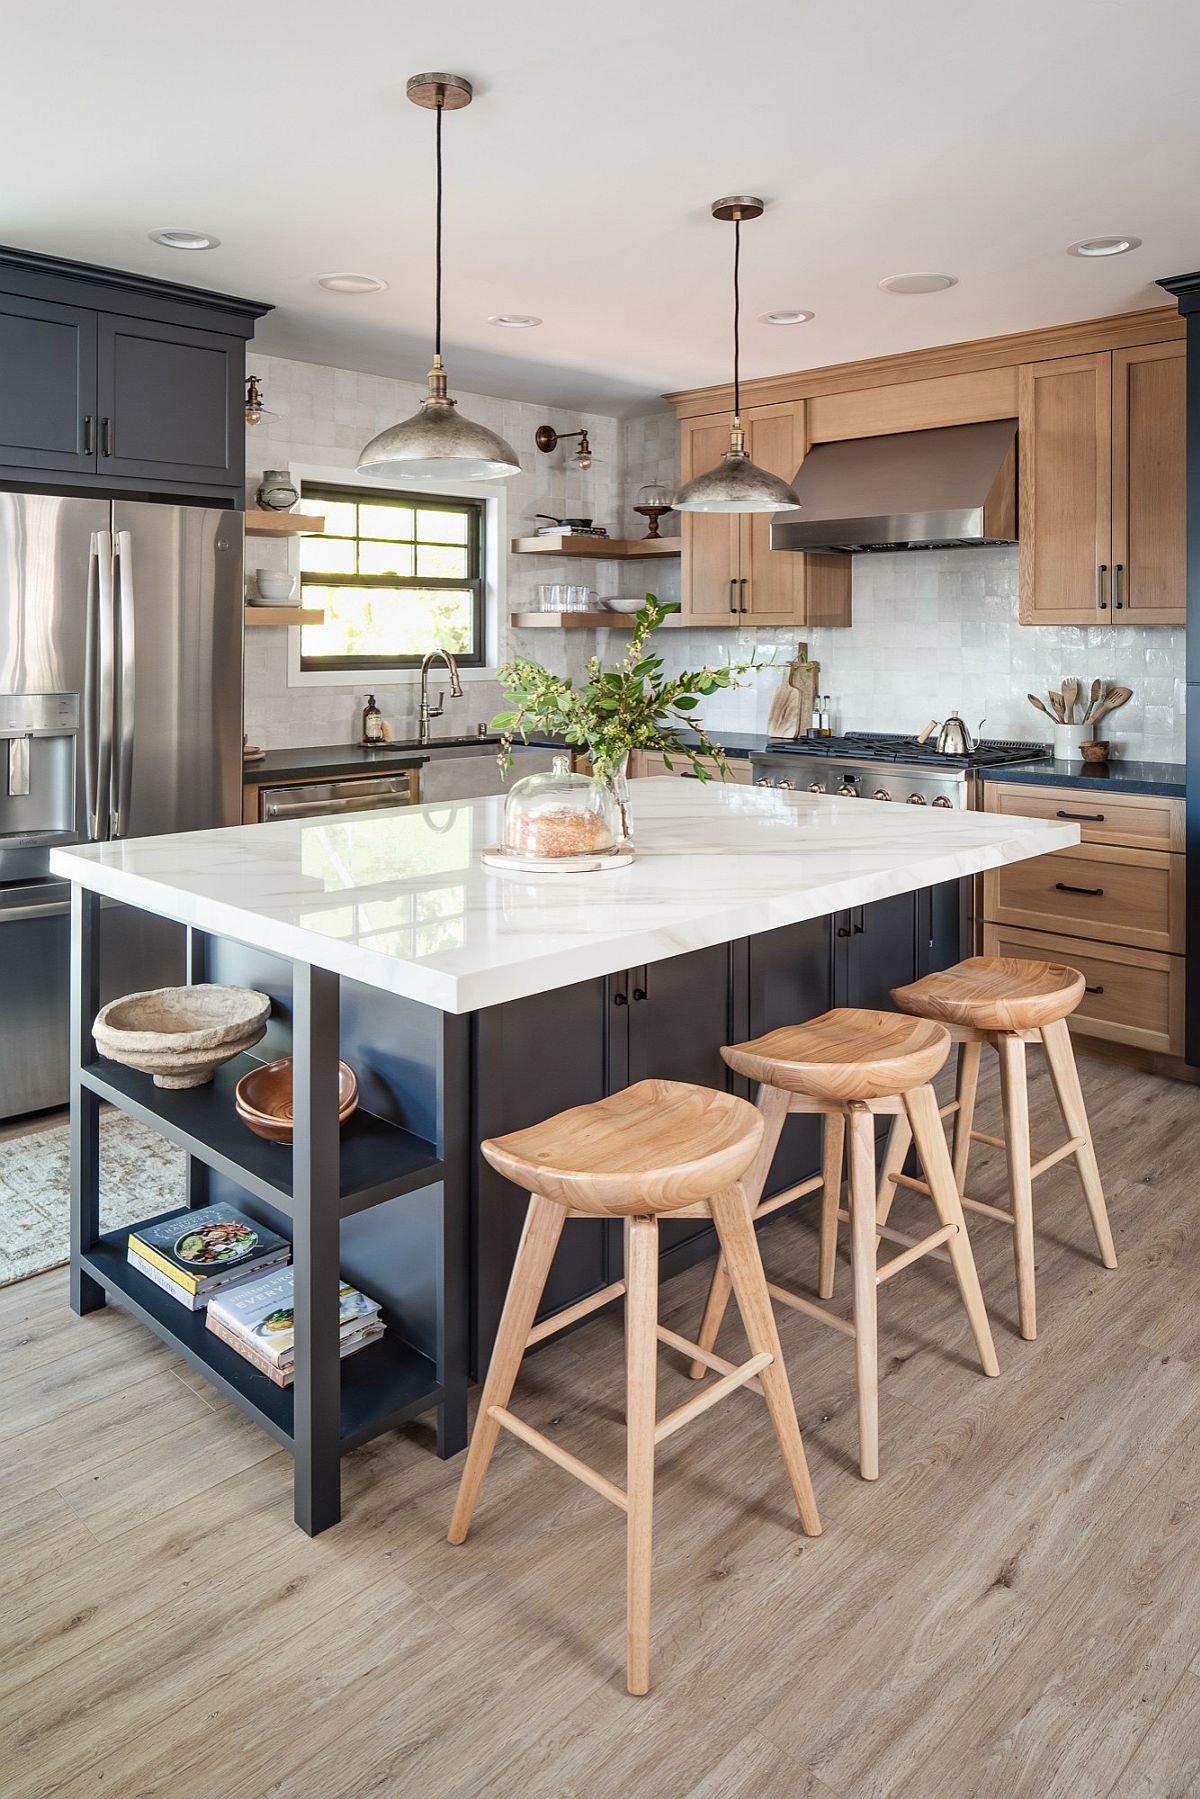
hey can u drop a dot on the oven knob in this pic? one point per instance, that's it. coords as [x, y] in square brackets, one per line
[815, 787]
[787, 784]
[881, 793]
[917, 799]
[848, 790]
[763, 781]
[941, 800]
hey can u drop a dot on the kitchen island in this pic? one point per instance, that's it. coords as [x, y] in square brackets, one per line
[472, 1001]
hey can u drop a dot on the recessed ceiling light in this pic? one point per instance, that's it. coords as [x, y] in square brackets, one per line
[347, 283]
[515, 321]
[921, 283]
[1103, 246]
[786, 318]
[184, 240]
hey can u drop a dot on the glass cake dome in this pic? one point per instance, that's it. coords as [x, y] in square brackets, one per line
[558, 814]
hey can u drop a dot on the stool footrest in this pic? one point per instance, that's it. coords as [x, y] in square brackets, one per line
[889, 1231]
[728, 1383]
[810, 1309]
[924, 1247]
[986, 1211]
[562, 1458]
[1056, 1155]
[694, 1352]
[558, 1321]
[777, 1200]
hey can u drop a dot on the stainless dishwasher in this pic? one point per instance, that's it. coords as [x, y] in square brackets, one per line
[357, 793]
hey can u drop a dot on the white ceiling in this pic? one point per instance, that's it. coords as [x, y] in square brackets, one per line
[956, 135]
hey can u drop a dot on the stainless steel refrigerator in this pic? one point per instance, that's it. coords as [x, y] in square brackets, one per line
[120, 716]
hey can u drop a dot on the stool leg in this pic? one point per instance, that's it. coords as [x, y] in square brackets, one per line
[1015, 1094]
[773, 1103]
[1060, 1053]
[964, 1119]
[731, 1215]
[833, 1145]
[894, 1157]
[539, 1240]
[863, 1242]
[922, 1107]
[641, 1353]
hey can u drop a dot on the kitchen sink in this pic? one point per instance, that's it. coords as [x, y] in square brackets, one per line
[466, 767]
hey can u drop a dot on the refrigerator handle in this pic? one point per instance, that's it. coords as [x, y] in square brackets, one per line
[98, 688]
[126, 690]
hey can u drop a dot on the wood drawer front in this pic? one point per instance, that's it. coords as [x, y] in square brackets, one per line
[1143, 821]
[1141, 1002]
[1104, 892]
[652, 762]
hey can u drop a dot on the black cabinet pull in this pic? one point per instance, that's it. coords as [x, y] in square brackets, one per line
[1093, 990]
[620, 999]
[733, 593]
[1101, 571]
[1093, 892]
[860, 923]
[1118, 602]
[89, 435]
[106, 437]
[642, 990]
[843, 930]
[742, 595]
[1087, 818]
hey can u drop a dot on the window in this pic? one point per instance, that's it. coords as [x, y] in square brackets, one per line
[396, 575]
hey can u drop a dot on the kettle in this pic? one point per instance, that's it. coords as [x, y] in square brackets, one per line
[954, 739]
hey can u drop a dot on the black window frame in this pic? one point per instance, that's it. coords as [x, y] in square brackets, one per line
[475, 579]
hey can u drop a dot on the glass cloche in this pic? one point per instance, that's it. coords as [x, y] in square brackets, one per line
[560, 814]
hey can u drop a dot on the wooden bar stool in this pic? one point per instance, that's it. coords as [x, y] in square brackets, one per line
[1007, 1003]
[658, 1147]
[847, 1066]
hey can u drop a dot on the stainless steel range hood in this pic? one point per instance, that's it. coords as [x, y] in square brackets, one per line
[917, 490]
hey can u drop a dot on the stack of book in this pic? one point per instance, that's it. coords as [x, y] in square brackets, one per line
[258, 1320]
[195, 1254]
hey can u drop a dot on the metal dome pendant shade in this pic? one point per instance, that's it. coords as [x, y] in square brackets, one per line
[437, 443]
[736, 484]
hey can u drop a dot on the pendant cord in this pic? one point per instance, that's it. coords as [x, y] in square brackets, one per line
[437, 251]
[737, 319]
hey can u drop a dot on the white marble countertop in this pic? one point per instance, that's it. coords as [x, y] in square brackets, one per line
[401, 901]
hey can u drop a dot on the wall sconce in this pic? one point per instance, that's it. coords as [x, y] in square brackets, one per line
[547, 438]
[256, 411]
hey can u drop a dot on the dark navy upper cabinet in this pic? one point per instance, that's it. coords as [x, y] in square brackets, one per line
[169, 401]
[124, 383]
[47, 385]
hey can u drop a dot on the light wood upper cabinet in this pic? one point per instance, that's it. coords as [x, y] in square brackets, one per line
[1102, 488]
[731, 575]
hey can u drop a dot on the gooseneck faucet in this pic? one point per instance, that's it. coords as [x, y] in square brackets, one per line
[429, 712]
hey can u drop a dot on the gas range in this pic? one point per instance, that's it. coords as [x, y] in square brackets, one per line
[880, 765]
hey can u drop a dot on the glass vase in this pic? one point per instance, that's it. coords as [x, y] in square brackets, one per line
[615, 776]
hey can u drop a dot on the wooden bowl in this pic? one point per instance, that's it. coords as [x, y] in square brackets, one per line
[1094, 749]
[181, 1034]
[264, 1098]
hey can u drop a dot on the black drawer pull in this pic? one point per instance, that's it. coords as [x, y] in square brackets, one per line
[89, 435]
[620, 999]
[1093, 990]
[1092, 892]
[1085, 818]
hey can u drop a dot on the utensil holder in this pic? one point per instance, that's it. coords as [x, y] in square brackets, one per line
[1067, 739]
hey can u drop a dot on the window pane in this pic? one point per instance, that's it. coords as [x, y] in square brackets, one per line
[338, 515]
[385, 521]
[381, 622]
[388, 559]
[441, 527]
[441, 561]
[327, 555]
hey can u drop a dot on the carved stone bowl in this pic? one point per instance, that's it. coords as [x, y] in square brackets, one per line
[181, 1034]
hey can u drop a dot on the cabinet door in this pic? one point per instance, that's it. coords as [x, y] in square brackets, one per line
[790, 980]
[1149, 425]
[170, 402]
[771, 582]
[881, 949]
[47, 386]
[1065, 498]
[534, 1057]
[710, 558]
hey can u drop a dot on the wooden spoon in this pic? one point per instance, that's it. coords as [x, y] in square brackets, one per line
[1056, 700]
[1097, 690]
[1116, 696]
[1034, 701]
[1070, 693]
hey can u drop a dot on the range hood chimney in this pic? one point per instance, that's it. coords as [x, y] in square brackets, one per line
[916, 490]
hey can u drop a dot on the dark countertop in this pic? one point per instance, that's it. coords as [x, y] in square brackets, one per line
[1116, 777]
[330, 759]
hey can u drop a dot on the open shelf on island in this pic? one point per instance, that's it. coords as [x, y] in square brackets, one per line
[379, 1161]
[613, 549]
[283, 524]
[382, 1385]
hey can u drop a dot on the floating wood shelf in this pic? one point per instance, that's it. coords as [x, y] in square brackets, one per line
[610, 549]
[285, 615]
[573, 621]
[283, 524]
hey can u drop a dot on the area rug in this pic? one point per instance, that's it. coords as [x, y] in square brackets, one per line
[140, 1175]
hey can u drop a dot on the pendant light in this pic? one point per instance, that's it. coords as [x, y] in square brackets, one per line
[736, 484]
[437, 443]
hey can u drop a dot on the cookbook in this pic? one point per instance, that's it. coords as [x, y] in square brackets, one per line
[262, 1313]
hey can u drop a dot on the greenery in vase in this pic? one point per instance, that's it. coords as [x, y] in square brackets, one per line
[634, 706]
